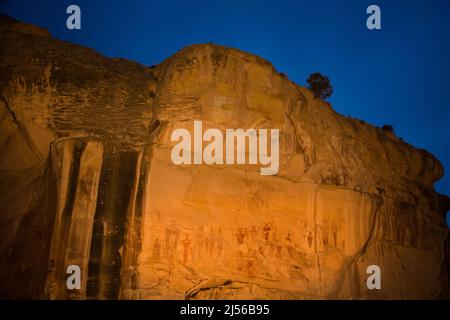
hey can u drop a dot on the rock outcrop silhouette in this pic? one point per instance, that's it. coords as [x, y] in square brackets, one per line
[86, 178]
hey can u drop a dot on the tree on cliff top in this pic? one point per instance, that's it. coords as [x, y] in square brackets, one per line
[319, 85]
[388, 128]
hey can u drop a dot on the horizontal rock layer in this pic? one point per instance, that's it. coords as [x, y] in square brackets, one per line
[87, 179]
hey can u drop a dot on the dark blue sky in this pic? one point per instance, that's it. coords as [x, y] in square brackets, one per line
[398, 75]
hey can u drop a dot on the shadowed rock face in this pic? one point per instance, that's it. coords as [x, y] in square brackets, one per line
[86, 178]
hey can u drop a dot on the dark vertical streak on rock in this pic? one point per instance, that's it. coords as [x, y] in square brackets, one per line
[139, 213]
[49, 207]
[67, 212]
[126, 174]
[105, 263]
[95, 256]
[73, 178]
[133, 245]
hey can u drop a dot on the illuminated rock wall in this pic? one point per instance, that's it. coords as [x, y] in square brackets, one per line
[87, 179]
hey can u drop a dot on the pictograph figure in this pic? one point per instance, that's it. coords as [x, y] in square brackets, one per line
[310, 239]
[266, 231]
[186, 243]
[156, 249]
[334, 235]
[240, 236]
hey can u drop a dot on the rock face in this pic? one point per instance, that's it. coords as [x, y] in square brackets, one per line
[87, 179]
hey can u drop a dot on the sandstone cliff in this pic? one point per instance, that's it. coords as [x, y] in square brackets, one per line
[86, 178]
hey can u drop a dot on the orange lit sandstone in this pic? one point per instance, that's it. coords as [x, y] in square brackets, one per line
[87, 179]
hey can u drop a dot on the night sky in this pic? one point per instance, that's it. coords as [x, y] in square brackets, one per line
[398, 75]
